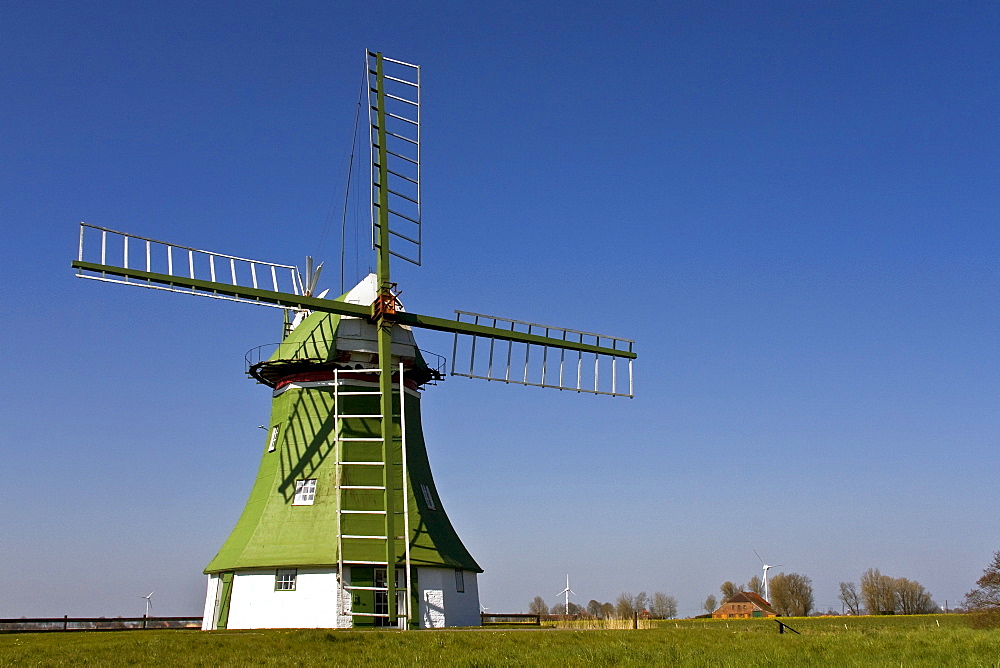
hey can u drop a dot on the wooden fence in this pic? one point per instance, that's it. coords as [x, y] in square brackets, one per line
[67, 623]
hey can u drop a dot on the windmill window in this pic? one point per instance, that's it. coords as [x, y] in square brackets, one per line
[428, 499]
[459, 581]
[284, 579]
[305, 492]
[273, 442]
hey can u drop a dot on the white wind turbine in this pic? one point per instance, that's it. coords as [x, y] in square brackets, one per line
[567, 591]
[767, 596]
[149, 602]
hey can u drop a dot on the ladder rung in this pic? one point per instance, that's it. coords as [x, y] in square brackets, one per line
[362, 464]
[360, 415]
[364, 487]
[368, 537]
[363, 512]
[354, 394]
[366, 614]
[363, 439]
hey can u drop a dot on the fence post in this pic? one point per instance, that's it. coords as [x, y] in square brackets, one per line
[144, 620]
[635, 620]
[65, 622]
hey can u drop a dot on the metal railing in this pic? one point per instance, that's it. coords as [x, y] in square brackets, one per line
[305, 351]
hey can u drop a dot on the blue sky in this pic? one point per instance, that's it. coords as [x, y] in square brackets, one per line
[791, 207]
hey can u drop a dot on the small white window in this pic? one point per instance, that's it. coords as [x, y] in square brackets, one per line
[284, 579]
[428, 499]
[305, 492]
[459, 581]
[273, 443]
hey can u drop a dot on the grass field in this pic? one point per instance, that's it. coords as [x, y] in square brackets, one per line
[942, 640]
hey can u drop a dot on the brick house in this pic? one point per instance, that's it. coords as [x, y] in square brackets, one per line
[744, 604]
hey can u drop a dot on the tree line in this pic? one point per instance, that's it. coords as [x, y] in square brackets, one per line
[657, 606]
[884, 595]
[792, 596]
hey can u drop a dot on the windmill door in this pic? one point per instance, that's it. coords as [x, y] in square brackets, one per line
[366, 602]
[222, 605]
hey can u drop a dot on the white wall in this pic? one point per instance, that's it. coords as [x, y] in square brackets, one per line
[256, 605]
[441, 604]
[211, 603]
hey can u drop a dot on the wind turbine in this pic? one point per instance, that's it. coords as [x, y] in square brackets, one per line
[767, 596]
[149, 602]
[567, 591]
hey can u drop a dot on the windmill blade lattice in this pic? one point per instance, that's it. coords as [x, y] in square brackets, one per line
[605, 370]
[119, 257]
[394, 128]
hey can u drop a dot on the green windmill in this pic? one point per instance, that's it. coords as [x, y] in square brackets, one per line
[344, 526]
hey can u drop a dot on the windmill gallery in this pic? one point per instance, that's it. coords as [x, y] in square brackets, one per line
[343, 526]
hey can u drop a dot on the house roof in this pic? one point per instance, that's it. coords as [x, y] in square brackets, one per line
[751, 597]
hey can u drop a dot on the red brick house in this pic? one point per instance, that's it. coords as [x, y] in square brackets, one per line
[744, 604]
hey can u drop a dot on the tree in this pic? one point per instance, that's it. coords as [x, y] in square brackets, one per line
[662, 606]
[791, 595]
[607, 610]
[756, 585]
[641, 602]
[538, 606]
[560, 609]
[986, 595]
[625, 605]
[850, 598]
[710, 603]
[729, 590]
[912, 599]
[594, 608]
[878, 592]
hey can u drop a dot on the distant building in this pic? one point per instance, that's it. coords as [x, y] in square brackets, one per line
[744, 604]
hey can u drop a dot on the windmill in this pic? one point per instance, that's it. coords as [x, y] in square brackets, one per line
[767, 567]
[343, 526]
[149, 602]
[566, 592]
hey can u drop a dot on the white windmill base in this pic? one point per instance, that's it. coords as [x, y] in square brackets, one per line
[254, 603]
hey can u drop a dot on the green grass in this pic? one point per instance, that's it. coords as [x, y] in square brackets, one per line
[943, 640]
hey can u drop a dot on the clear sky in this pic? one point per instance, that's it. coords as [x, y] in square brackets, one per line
[791, 207]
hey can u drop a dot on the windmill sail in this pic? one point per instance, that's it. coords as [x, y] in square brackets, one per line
[394, 128]
[605, 369]
[119, 257]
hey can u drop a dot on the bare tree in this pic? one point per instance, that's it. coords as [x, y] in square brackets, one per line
[986, 596]
[850, 598]
[912, 599]
[641, 602]
[729, 590]
[538, 606]
[561, 609]
[878, 592]
[662, 606]
[756, 585]
[710, 603]
[791, 594]
[625, 605]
